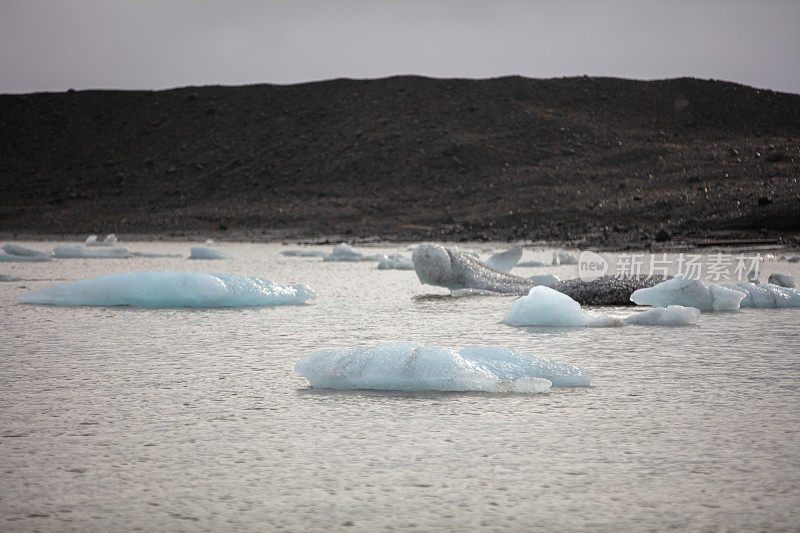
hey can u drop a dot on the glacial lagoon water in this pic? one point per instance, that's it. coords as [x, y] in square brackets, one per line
[123, 418]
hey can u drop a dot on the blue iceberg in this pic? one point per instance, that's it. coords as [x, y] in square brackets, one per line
[171, 289]
[414, 367]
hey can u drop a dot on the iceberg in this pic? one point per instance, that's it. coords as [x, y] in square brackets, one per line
[170, 289]
[544, 306]
[22, 258]
[689, 292]
[201, 252]
[414, 367]
[674, 315]
[76, 251]
[505, 261]
[453, 269]
[110, 240]
[548, 280]
[396, 261]
[564, 258]
[782, 280]
[305, 253]
[16, 249]
[766, 295]
[345, 252]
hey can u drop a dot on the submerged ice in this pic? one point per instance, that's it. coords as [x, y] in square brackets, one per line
[414, 367]
[170, 289]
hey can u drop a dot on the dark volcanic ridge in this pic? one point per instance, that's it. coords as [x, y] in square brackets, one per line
[597, 160]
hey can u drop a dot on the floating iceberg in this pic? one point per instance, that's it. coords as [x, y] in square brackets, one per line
[171, 289]
[548, 280]
[690, 292]
[110, 240]
[782, 280]
[22, 258]
[345, 252]
[453, 269]
[544, 306]
[201, 252]
[16, 249]
[564, 258]
[674, 315]
[505, 261]
[76, 251]
[305, 253]
[395, 262]
[765, 295]
[413, 367]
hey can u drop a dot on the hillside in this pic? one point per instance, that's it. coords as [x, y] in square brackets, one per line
[601, 159]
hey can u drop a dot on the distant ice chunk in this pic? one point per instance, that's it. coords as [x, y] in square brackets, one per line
[202, 252]
[794, 259]
[414, 367]
[505, 261]
[110, 240]
[548, 280]
[783, 280]
[16, 249]
[76, 251]
[674, 315]
[544, 306]
[564, 258]
[210, 242]
[689, 292]
[305, 253]
[345, 252]
[396, 261]
[170, 289]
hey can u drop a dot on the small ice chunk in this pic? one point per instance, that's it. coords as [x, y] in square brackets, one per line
[305, 253]
[548, 280]
[210, 242]
[110, 240]
[794, 259]
[170, 289]
[505, 261]
[783, 280]
[674, 315]
[16, 249]
[544, 306]
[564, 258]
[689, 292]
[202, 252]
[396, 261]
[414, 367]
[76, 251]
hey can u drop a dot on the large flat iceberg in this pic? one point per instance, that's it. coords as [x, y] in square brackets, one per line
[728, 297]
[414, 367]
[76, 251]
[171, 289]
[547, 307]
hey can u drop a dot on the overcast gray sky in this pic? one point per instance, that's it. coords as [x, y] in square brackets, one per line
[54, 45]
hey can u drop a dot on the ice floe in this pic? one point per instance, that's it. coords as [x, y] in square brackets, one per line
[11, 258]
[396, 261]
[305, 253]
[110, 240]
[691, 292]
[202, 252]
[170, 289]
[345, 252]
[505, 261]
[414, 367]
[543, 306]
[673, 315]
[76, 251]
[16, 249]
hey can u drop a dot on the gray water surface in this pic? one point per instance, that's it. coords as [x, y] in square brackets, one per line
[178, 419]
